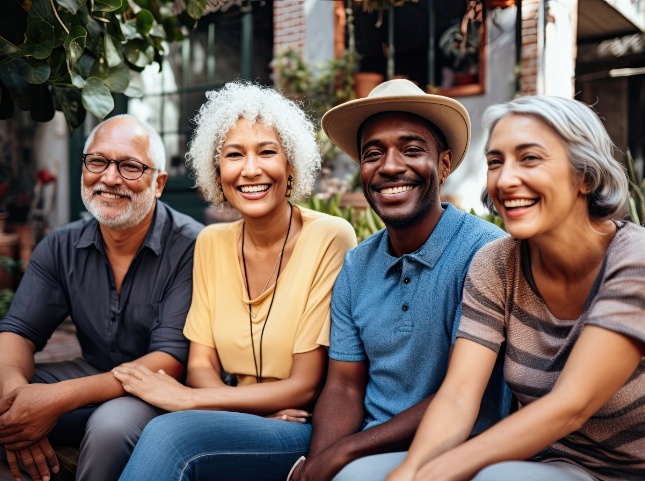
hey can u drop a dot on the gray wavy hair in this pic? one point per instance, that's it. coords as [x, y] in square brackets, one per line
[588, 146]
[156, 150]
[244, 99]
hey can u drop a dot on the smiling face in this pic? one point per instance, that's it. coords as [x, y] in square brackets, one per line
[253, 169]
[115, 202]
[530, 178]
[401, 170]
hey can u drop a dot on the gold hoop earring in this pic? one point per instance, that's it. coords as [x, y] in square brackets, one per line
[289, 186]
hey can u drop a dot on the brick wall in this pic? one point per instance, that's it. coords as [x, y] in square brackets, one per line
[288, 25]
[530, 61]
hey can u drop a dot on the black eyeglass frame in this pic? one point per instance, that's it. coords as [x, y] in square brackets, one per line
[118, 165]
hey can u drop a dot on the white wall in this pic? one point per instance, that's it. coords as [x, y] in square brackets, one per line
[467, 181]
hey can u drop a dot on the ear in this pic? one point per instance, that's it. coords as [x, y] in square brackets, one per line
[162, 177]
[445, 162]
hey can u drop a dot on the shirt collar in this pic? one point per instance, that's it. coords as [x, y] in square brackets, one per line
[434, 246]
[91, 235]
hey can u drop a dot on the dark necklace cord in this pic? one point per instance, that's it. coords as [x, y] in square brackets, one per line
[258, 373]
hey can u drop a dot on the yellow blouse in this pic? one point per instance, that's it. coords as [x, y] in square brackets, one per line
[300, 316]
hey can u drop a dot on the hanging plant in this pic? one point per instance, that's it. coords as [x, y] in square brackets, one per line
[72, 55]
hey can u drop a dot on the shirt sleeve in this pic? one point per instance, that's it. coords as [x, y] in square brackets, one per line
[620, 303]
[167, 336]
[345, 340]
[199, 326]
[313, 329]
[39, 305]
[483, 304]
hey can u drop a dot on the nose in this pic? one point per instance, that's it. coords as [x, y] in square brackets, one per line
[111, 176]
[507, 176]
[393, 163]
[251, 167]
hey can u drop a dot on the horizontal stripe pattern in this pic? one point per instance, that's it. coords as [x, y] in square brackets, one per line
[499, 305]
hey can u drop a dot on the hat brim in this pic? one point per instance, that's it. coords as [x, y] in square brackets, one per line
[342, 122]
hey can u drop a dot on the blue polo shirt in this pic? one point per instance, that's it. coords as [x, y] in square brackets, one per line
[69, 275]
[401, 314]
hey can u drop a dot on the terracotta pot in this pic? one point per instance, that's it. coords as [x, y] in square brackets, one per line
[499, 3]
[364, 82]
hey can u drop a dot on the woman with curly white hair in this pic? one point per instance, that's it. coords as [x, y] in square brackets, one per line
[260, 308]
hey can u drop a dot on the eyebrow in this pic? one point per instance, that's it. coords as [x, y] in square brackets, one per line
[260, 144]
[517, 147]
[406, 138]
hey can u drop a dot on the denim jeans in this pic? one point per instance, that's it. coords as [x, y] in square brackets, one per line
[534, 471]
[216, 446]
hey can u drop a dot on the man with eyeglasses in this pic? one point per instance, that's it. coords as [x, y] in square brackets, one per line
[125, 278]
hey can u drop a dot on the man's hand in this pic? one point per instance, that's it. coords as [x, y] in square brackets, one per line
[325, 465]
[28, 414]
[156, 388]
[39, 460]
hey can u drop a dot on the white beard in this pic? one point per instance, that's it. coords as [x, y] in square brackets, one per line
[139, 207]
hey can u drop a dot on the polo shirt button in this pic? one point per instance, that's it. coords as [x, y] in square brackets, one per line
[405, 307]
[113, 319]
[406, 280]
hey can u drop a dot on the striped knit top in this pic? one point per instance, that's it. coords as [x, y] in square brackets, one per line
[501, 303]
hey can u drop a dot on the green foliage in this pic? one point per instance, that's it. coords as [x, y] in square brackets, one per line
[6, 296]
[73, 55]
[636, 194]
[364, 221]
[492, 218]
[380, 5]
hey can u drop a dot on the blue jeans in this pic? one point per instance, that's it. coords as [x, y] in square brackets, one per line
[216, 446]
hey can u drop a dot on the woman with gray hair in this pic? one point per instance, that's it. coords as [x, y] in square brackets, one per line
[564, 296]
[260, 308]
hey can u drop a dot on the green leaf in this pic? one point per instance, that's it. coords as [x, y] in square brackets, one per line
[8, 51]
[106, 6]
[94, 28]
[195, 8]
[77, 80]
[75, 45]
[116, 79]
[68, 100]
[129, 29]
[97, 98]
[85, 65]
[71, 5]
[139, 53]
[112, 55]
[145, 20]
[40, 39]
[133, 92]
[22, 92]
[35, 72]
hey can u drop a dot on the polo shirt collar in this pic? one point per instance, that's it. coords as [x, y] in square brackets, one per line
[434, 246]
[91, 235]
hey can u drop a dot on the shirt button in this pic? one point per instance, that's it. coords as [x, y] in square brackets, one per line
[113, 319]
[406, 280]
[405, 307]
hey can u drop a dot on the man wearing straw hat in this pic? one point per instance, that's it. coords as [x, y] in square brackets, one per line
[397, 300]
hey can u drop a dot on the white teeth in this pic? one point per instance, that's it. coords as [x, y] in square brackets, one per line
[110, 196]
[396, 190]
[519, 203]
[248, 189]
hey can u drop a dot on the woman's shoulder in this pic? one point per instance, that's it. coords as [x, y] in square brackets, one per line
[627, 245]
[319, 223]
[220, 232]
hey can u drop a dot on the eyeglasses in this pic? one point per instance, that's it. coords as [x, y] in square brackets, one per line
[129, 169]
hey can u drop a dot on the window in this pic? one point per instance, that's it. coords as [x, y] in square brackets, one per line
[430, 47]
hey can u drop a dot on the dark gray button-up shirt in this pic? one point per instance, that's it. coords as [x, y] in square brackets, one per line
[69, 274]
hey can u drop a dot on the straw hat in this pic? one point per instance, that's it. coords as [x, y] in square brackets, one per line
[342, 122]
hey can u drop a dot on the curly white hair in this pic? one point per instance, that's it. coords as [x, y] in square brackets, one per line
[244, 99]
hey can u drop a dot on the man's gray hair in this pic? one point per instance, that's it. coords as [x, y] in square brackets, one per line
[156, 150]
[589, 148]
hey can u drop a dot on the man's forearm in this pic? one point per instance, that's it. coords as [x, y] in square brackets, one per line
[337, 414]
[391, 436]
[16, 362]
